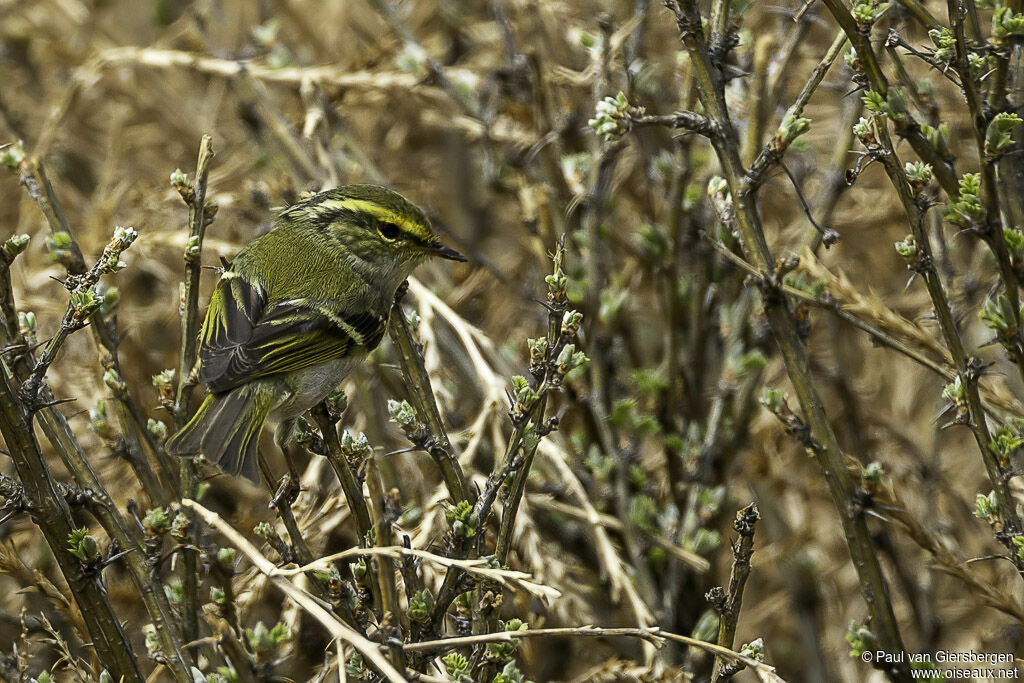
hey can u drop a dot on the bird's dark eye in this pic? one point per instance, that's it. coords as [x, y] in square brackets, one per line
[388, 231]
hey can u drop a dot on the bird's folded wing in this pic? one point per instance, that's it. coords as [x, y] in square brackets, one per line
[243, 339]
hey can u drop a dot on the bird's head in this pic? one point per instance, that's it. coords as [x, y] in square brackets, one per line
[373, 223]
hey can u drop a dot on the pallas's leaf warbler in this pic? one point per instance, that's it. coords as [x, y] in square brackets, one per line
[296, 310]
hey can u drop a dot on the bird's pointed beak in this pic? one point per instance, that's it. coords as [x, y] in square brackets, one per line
[445, 252]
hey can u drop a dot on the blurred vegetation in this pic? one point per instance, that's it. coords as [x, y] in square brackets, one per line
[698, 220]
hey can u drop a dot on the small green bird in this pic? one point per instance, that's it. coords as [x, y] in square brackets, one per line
[297, 310]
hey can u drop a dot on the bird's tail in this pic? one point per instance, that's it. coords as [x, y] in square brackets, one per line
[226, 429]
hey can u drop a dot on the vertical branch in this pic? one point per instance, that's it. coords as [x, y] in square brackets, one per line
[350, 487]
[195, 196]
[556, 305]
[417, 380]
[729, 606]
[391, 614]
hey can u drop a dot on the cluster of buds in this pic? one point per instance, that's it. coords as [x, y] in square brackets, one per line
[355, 448]
[1004, 443]
[571, 322]
[867, 12]
[871, 477]
[157, 521]
[153, 647]
[457, 667]
[184, 187]
[218, 597]
[538, 355]
[893, 104]
[356, 667]
[998, 136]
[413, 59]
[193, 247]
[113, 381]
[523, 398]
[721, 200]
[510, 673]
[956, 396]
[852, 59]
[613, 117]
[569, 358]
[163, 381]
[269, 533]
[998, 316]
[421, 606]
[361, 595]
[865, 132]
[556, 283]
[157, 429]
[502, 651]
[226, 558]
[359, 569]
[531, 437]
[27, 325]
[907, 248]
[754, 649]
[83, 304]
[337, 402]
[122, 239]
[919, 174]
[61, 247]
[15, 245]
[11, 156]
[1005, 24]
[937, 137]
[987, 508]
[967, 210]
[109, 298]
[860, 639]
[182, 522]
[180, 182]
[99, 424]
[1015, 244]
[85, 297]
[945, 45]
[403, 415]
[462, 519]
[331, 579]
[83, 546]
[263, 641]
[792, 127]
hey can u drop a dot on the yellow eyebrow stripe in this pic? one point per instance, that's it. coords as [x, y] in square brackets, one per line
[376, 210]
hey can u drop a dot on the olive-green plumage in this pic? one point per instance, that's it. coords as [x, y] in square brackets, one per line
[296, 311]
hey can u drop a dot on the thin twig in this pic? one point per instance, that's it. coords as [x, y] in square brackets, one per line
[194, 195]
[729, 607]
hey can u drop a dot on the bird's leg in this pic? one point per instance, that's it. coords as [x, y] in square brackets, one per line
[285, 432]
[288, 490]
